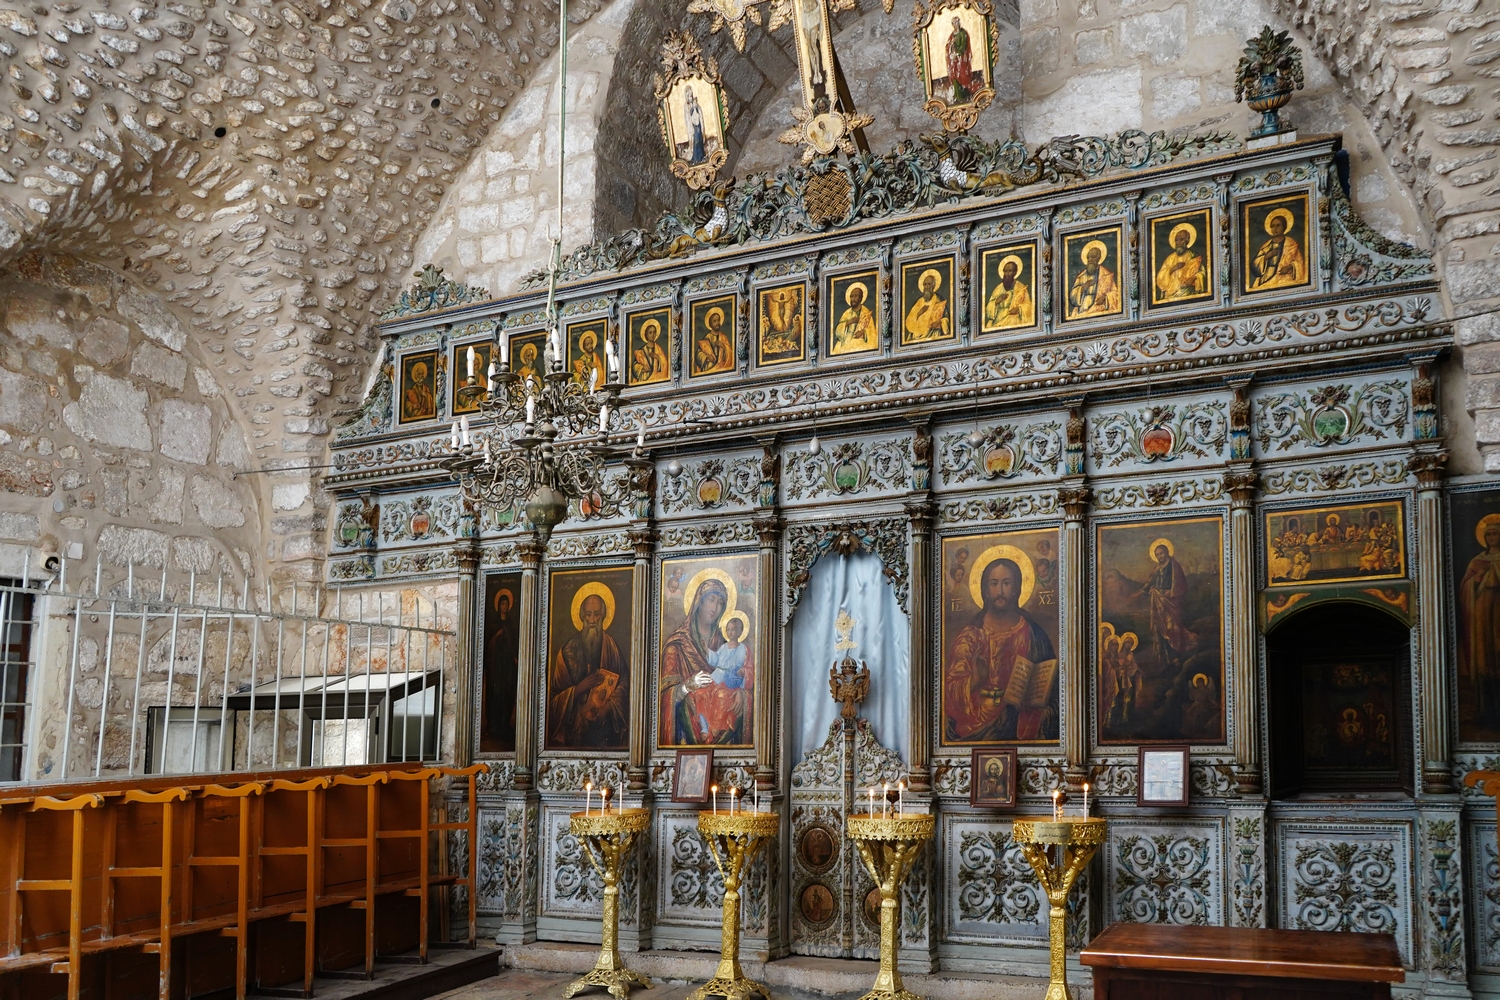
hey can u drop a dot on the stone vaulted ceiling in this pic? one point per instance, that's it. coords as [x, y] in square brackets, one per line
[265, 167]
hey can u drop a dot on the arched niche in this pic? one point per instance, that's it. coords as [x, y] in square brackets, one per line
[1339, 696]
[863, 569]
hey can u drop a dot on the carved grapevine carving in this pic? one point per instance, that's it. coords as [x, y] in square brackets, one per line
[1003, 453]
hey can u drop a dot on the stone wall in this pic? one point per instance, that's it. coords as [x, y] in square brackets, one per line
[1426, 75]
[264, 168]
[117, 434]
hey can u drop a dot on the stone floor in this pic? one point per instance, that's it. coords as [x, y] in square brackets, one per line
[789, 979]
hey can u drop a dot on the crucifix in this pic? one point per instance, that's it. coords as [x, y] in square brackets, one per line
[827, 121]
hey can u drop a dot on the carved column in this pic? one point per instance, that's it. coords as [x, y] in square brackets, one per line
[767, 683]
[1074, 499]
[923, 678]
[528, 660]
[465, 707]
[768, 627]
[1428, 464]
[643, 541]
[1240, 482]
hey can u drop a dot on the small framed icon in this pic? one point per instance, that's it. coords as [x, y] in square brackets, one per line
[782, 325]
[419, 387]
[713, 336]
[693, 776]
[1181, 268]
[650, 335]
[1162, 776]
[926, 297]
[1275, 244]
[1008, 288]
[992, 778]
[469, 382]
[853, 313]
[1091, 275]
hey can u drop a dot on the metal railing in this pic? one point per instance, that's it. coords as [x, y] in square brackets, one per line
[131, 678]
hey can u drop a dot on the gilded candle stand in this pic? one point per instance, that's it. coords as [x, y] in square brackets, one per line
[733, 840]
[888, 845]
[1075, 840]
[605, 838]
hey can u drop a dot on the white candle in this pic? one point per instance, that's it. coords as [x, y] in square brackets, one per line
[470, 359]
[1056, 803]
[715, 790]
[640, 438]
[453, 437]
[463, 429]
[530, 408]
[588, 793]
[505, 350]
[1085, 800]
[593, 379]
[611, 357]
[603, 418]
[872, 801]
[901, 797]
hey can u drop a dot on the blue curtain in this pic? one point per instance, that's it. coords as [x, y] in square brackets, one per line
[856, 583]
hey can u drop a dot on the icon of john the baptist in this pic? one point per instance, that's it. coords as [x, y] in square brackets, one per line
[1002, 640]
[707, 669]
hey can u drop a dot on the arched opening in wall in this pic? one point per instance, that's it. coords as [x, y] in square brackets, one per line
[1339, 685]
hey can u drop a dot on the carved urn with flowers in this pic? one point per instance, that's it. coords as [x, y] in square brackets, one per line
[1268, 72]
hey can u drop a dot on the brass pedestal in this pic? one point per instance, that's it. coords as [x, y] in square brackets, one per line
[605, 839]
[1075, 841]
[888, 846]
[733, 841]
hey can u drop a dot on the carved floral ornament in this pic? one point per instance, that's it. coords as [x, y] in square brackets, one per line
[884, 537]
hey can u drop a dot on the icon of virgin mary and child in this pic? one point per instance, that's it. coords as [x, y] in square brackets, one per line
[707, 669]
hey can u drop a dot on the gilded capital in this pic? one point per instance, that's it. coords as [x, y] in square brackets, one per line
[466, 553]
[642, 540]
[531, 551]
[920, 513]
[1428, 467]
[1074, 501]
[1241, 487]
[768, 528]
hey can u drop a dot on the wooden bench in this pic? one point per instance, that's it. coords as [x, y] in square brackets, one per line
[1164, 962]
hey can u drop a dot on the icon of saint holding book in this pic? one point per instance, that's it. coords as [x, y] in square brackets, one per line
[1000, 676]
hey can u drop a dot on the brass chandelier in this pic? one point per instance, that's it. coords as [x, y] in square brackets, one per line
[529, 465]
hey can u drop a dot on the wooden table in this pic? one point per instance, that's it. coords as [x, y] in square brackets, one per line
[1161, 962]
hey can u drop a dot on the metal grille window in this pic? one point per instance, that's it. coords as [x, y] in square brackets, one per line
[15, 670]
